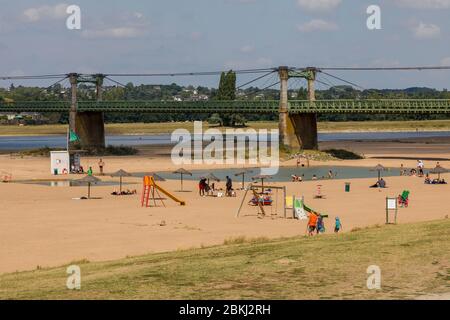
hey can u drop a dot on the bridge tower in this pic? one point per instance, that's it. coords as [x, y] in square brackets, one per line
[88, 125]
[297, 131]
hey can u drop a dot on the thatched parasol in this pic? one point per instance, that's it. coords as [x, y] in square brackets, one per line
[211, 176]
[121, 173]
[182, 172]
[262, 177]
[88, 180]
[438, 170]
[155, 176]
[243, 173]
[378, 168]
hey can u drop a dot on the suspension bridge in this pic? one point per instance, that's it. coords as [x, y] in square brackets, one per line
[297, 118]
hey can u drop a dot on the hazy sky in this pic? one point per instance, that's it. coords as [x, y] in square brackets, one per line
[203, 35]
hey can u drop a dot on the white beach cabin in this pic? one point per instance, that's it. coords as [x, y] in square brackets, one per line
[60, 162]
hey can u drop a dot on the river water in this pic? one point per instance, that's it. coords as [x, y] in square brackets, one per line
[15, 143]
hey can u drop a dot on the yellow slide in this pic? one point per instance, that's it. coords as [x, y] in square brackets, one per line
[171, 196]
[152, 182]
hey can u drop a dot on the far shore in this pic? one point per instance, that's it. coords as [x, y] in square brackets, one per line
[169, 127]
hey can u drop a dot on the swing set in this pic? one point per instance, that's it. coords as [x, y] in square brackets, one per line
[263, 200]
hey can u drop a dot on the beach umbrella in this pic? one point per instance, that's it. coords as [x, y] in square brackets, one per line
[378, 168]
[262, 177]
[438, 170]
[243, 173]
[155, 176]
[121, 173]
[211, 176]
[88, 180]
[182, 172]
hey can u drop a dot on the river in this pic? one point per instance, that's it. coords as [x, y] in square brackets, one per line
[16, 143]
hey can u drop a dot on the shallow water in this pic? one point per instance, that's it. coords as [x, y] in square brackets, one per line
[67, 183]
[285, 173]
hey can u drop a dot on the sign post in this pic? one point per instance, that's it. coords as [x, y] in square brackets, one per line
[391, 205]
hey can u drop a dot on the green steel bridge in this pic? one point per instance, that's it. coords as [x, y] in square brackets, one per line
[384, 106]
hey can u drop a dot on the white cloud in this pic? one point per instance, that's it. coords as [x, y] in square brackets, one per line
[45, 12]
[120, 32]
[445, 62]
[317, 25]
[318, 5]
[247, 49]
[426, 31]
[424, 4]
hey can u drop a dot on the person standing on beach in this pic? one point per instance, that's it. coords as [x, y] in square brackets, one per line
[101, 164]
[337, 225]
[89, 172]
[229, 186]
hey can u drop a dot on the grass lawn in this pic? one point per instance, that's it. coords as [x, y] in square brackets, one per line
[414, 260]
[153, 128]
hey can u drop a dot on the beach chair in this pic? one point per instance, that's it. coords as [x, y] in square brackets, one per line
[403, 199]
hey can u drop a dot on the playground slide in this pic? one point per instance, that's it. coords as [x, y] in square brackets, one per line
[167, 193]
[307, 209]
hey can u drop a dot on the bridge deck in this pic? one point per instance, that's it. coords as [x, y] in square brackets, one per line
[385, 106]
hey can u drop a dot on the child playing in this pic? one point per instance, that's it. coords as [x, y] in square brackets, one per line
[312, 223]
[338, 225]
[320, 225]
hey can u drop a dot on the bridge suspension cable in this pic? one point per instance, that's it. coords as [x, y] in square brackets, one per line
[204, 73]
[254, 80]
[383, 68]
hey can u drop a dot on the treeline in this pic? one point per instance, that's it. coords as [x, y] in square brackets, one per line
[225, 91]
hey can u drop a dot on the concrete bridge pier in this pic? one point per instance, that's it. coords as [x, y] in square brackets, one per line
[297, 131]
[89, 125]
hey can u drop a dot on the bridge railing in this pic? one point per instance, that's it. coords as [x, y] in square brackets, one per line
[380, 106]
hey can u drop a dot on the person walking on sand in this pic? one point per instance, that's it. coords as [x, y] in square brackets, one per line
[312, 223]
[101, 164]
[337, 225]
[89, 172]
[320, 225]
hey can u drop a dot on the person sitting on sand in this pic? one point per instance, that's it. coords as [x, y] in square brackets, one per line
[380, 184]
[314, 177]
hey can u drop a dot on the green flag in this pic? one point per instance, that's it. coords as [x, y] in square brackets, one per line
[73, 136]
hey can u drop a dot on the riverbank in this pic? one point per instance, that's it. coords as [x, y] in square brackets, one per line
[169, 127]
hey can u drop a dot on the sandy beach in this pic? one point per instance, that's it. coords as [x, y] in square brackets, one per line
[43, 226]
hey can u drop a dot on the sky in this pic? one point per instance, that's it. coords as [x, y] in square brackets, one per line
[136, 36]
